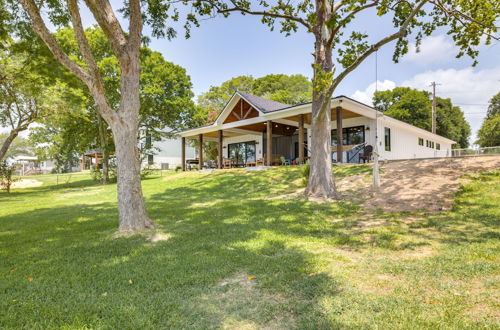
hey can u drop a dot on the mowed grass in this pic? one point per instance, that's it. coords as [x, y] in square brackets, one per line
[237, 254]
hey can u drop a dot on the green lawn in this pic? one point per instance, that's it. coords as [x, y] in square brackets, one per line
[239, 256]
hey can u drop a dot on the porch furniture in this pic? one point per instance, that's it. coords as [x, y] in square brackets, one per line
[227, 163]
[367, 154]
[190, 162]
[284, 161]
[250, 164]
[275, 159]
[260, 162]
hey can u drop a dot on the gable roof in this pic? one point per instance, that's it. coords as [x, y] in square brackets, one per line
[261, 104]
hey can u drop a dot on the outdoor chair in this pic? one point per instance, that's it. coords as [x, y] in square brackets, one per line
[367, 154]
[284, 161]
[227, 163]
[260, 162]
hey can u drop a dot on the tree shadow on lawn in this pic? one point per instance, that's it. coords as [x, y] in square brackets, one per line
[81, 276]
[233, 259]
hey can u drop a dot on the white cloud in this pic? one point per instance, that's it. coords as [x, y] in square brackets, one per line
[467, 88]
[434, 49]
[366, 96]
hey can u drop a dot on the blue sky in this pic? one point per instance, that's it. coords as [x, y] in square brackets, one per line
[223, 48]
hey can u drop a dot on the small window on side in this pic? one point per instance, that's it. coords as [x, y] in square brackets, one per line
[387, 138]
[150, 159]
[438, 146]
[420, 141]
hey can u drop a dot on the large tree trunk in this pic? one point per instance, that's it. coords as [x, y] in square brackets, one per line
[321, 183]
[131, 207]
[103, 141]
[6, 144]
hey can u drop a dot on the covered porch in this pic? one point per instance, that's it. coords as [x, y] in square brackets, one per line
[248, 133]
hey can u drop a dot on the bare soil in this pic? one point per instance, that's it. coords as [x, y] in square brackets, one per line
[412, 185]
[26, 183]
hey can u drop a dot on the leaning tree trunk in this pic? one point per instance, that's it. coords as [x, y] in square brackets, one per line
[321, 183]
[6, 144]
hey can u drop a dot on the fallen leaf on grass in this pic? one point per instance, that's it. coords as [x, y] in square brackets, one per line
[130, 282]
[250, 277]
[30, 279]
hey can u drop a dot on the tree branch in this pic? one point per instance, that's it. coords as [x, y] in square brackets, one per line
[97, 86]
[266, 13]
[401, 33]
[135, 27]
[44, 33]
[105, 17]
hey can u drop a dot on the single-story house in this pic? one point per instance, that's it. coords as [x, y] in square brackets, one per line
[242, 132]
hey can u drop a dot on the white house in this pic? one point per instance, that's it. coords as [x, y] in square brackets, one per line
[242, 130]
[168, 154]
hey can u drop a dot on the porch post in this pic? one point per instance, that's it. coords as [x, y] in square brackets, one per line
[220, 157]
[301, 139]
[183, 153]
[339, 134]
[269, 139]
[83, 162]
[200, 151]
[96, 161]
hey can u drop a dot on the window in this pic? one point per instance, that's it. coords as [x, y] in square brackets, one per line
[438, 146]
[427, 143]
[350, 135]
[432, 145]
[150, 160]
[387, 138]
[148, 142]
[242, 152]
[420, 141]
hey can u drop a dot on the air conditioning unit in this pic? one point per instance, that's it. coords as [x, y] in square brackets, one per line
[164, 166]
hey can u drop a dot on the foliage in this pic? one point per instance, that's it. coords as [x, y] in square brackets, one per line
[7, 176]
[245, 259]
[489, 133]
[20, 146]
[415, 107]
[494, 106]
[287, 89]
[305, 170]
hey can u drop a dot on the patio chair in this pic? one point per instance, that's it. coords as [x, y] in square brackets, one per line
[260, 162]
[284, 161]
[367, 154]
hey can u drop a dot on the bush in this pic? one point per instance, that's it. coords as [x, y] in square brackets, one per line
[96, 174]
[304, 172]
[178, 168]
[6, 176]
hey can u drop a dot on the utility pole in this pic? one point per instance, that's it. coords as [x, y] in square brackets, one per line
[433, 84]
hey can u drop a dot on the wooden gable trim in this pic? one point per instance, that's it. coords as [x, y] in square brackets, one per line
[241, 110]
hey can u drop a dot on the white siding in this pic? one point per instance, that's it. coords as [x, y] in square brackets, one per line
[170, 151]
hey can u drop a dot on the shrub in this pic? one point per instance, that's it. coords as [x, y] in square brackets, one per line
[304, 172]
[6, 176]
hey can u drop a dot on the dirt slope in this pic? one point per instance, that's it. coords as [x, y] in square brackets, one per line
[415, 184]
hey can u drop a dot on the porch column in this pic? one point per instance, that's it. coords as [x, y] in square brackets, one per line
[269, 146]
[339, 134]
[301, 139]
[221, 145]
[83, 162]
[200, 151]
[96, 161]
[183, 153]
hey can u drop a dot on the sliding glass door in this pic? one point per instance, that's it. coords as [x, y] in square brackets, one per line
[242, 152]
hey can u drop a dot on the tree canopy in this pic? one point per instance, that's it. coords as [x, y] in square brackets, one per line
[288, 89]
[489, 133]
[415, 107]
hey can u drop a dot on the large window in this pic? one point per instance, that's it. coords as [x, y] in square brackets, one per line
[387, 138]
[350, 135]
[242, 152]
